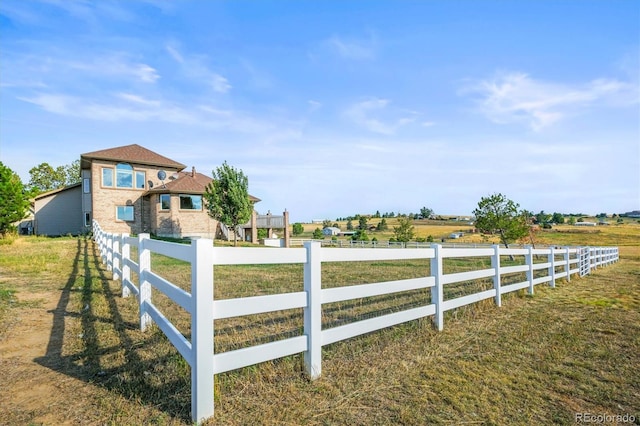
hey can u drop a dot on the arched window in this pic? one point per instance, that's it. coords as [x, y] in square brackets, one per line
[124, 175]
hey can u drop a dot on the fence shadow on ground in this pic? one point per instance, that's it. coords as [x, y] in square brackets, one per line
[121, 363]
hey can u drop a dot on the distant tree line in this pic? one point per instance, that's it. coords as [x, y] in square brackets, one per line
[424, 213]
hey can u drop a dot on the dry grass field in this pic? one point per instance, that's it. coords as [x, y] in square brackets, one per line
[71, 353]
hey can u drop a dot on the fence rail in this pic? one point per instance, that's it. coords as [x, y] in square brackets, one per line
[115, 250]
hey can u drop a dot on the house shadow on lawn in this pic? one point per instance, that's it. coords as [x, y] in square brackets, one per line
[110, 351]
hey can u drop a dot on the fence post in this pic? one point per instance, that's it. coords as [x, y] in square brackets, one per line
[110, 252]
[144, 265]
[567, 265]
[552, 269]
[313, 311]
[126, 269]
[116, 257]
[495, 264]
[437, 296]
[202, 329]
[529, 259]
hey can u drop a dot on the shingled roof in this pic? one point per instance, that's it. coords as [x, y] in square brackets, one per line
[131, 154]
[188, 183]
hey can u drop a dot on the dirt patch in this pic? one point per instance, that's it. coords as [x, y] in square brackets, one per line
[32, 392]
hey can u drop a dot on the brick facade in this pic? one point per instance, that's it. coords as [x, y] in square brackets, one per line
[139, 188]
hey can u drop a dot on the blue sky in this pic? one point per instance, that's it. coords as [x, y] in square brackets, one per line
[336, 108]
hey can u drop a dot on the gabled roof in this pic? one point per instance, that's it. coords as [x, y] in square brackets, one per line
[55, 191]
[131, 154]
[188, 183]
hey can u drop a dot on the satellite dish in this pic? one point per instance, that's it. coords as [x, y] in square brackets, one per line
[150, 183]
[162, 175]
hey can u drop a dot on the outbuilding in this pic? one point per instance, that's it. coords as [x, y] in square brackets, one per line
[331, 231]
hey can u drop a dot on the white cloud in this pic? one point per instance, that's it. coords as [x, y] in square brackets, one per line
[375, 116]
[516, 97]
[219, 83]
[352, 48]
[137, 99]
[143, 110]
[314, 105]
[129, 107]
[54, 68]
[114, 64]
[195, 67]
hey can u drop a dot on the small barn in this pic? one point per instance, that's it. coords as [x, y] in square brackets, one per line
[330, 231]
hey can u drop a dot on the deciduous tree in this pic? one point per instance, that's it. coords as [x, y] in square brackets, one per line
[298, 228]
[44, 177]
[426, 212]
[558, 218]
[404, 231]
[227, 198]
[498, 214]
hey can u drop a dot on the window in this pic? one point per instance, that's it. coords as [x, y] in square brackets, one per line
[124, 176]
[191, 202]
[124, 213]
[107, 177]
[140, 177]
[86, 185]
[87, 219]
[165, 202]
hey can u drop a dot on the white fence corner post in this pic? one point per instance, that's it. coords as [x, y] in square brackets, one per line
[144, 265]
[552, 269]
[495, 264]
[529, 259]
[202, 329]
[313, 311]
[437, 296]
[126, 269]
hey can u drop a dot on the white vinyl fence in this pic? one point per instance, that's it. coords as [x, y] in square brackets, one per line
[204, 310]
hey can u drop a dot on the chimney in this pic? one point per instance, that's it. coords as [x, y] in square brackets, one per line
[193, 171]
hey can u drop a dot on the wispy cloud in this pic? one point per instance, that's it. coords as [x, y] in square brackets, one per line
[126, 107]
[195, 67]
[515, 97]
[376, 116]
[351, 48]
[129, 107]
[137, 99]
[314, 105]
[115, 64]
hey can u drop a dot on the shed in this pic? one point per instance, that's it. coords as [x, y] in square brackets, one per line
[331, 231]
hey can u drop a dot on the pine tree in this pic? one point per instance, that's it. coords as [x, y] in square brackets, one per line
[14, 202]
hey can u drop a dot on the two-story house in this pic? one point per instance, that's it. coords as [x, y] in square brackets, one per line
[129, 189]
